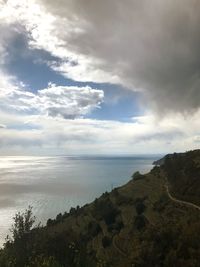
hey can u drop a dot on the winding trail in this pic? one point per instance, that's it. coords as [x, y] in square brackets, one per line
[189, 204]
[117, 248]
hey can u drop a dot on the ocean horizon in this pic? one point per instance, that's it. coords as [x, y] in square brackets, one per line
[54, 184]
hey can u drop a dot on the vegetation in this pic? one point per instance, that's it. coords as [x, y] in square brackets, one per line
[137, 175]
[183, 172]
[137, 225]
[23, 223]
[140, 206]
[106, 241]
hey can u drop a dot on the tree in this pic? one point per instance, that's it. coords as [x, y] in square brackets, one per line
[140, 207]
[23, 223]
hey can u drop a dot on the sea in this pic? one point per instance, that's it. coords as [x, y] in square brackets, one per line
[52, 185]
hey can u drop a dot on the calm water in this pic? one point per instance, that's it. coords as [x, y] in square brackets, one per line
[54, 184]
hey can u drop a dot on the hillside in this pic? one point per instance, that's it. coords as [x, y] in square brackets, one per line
[183, 174]
[152, 221]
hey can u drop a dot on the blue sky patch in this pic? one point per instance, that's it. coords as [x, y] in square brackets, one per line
[29, 66]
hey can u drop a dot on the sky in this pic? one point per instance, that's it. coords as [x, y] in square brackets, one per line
[99, 77]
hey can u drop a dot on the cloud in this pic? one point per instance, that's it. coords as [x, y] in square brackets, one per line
[64, 101]
[33, 128]
[148, 46]
[58, 135]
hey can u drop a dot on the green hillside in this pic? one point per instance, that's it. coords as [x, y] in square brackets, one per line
[152, 221]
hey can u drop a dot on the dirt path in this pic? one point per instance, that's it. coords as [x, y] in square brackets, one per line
[189, 204]
[117, 248]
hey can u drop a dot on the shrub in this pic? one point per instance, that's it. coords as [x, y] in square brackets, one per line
[140, 207]
[116, 227]
[94, 228]
[106, 241]
[42, 261]
[137, 176]
[140, 222]
[104, 209]
[160, 204]
[59, 218]
[50, 222]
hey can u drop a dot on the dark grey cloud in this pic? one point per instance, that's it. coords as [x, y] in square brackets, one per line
[166, 136]
[149, 45]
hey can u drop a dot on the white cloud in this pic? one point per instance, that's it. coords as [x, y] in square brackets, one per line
[64, 101]
[43, 31]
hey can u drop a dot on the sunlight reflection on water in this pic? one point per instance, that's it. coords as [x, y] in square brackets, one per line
[54, 184]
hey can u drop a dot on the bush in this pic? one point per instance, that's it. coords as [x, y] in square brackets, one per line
[104, 209]
[94, 228]
[140, 207]
[137, 176]
[50, 222]
[116, 227]
[160, 204]
[140, 222]
[123, 200]
[59, 218]
[106, 241]
[42, 261]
